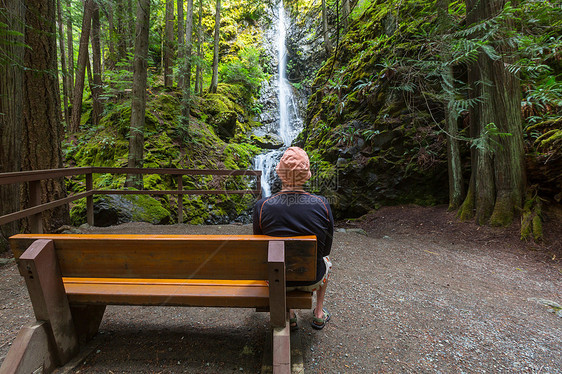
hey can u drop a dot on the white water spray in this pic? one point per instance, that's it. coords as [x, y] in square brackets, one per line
[289, 122]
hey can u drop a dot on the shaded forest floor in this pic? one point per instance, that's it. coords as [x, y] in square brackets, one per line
[420, 292]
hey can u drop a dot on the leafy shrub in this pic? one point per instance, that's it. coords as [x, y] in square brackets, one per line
[246, 70]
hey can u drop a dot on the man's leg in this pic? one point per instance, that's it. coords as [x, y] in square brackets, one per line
[320, 294]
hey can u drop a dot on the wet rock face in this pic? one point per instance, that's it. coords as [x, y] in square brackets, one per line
[267, 141]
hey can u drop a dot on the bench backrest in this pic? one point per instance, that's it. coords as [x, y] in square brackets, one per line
[242, 257]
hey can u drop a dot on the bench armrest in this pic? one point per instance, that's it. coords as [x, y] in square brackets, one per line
[277, 287]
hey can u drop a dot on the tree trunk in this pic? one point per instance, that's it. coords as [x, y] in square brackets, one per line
[499, 173]
[111, 60]
[346, 10]
[181, 41]
[509, 161]
[199, 69]
[97, 87]
[138, 104]
[186, 98]
[215, 79]
[130, 15]
[65, 87]
[70, 42]
[11, 81]
[168, 44]
[121, 32]
[327, 43]
[42, 127]
[456, 184]
[82, 59]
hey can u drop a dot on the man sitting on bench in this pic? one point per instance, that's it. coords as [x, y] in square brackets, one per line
[293, 212]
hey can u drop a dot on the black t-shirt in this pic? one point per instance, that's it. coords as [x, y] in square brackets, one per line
[293, 213]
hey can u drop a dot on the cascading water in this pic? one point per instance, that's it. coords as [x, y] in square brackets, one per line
[289, 124]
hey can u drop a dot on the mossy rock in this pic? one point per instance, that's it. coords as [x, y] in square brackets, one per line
[112, 210]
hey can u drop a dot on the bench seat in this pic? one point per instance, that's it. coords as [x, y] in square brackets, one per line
[176, 292]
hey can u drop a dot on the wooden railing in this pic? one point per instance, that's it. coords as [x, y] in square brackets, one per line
[34, 178]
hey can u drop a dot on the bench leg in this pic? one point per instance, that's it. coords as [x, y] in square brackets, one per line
[87, 320]
[31, 351]
[282, 349]
[40, 268]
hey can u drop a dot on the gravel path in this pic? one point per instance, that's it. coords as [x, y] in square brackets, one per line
[403, 299]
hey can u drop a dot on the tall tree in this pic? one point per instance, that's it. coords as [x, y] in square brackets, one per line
[138, 104]
[346, 10]
[327, 43]
[181, 41]
[42, 127]
[498, 174]
[97, 86]
[65, 87]
[169, 44]
[70, 44]
[456, 184]
[186, 66]
[199, 69]
[215, 78]
[111, 60]
[81, 68]
[11, 81]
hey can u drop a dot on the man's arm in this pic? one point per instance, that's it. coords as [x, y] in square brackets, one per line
[256, 219]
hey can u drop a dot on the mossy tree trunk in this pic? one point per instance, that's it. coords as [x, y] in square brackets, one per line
[138, 104]
[499, 166]
[81, 66]
[215, 78]
[168, 44]
[42, 126]
[11, 81]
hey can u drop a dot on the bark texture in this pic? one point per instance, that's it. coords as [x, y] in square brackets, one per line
[138, 104]
[327, 43]
[70, 43]
[11, 81]
[186, 99]
[42, 127]
[215, 78]
[81, 68]
[65, 87]
[168, 44]
[181, 39]
[499, 172]
[97, 86]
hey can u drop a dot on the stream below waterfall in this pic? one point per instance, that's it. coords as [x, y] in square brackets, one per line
[288, 123]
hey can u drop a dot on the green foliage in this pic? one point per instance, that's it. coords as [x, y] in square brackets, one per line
[245, 70]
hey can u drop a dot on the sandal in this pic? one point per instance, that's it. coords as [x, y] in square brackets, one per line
[319, 323]
[293, 324]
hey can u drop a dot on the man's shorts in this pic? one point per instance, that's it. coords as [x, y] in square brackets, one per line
[316, 286]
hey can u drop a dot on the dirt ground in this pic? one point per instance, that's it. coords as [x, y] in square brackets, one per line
[412, 291]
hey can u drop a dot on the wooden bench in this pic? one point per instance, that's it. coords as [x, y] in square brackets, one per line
[71, 279]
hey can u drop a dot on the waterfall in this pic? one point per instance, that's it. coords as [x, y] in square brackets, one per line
[289, 123]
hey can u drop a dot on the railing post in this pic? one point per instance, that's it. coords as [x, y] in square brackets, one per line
[259, 185]
[89, 200]
[180, 199]
[35, 221]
